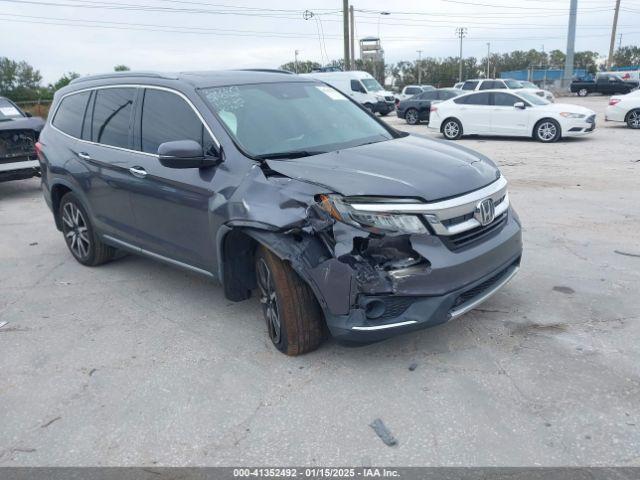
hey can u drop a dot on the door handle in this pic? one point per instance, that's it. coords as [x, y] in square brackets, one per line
[138, 172]
[84, 156]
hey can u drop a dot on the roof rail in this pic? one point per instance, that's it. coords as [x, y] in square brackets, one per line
[124, 74]
[266, 70]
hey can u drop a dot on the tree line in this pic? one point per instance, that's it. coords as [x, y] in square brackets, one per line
[20, 81]
[444, 71]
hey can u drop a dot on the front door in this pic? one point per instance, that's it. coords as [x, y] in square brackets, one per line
[476, 114]
[507, 119]
[171, 206]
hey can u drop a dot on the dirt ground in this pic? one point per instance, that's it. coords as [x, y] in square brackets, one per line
[136, 363]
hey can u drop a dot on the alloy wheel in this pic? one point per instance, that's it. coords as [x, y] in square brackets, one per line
[412, 117]
[547, 131]
[634, 119]
[451, 129]
[76, 231]
[269, 301]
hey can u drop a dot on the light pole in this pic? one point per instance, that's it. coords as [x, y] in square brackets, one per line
[296, 61]
[461, 32]
[488, 56]
[419, 70]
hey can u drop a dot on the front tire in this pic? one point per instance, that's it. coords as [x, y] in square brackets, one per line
[79, 234]
[633, 119]
[583, 92]
[452, 129]
[294, 318]
[412, 116]
[369, 107]
[547, 130]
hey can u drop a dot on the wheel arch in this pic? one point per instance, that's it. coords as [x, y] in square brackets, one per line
[450, 117]
[539, 121]
[236, 257]
[58, 190]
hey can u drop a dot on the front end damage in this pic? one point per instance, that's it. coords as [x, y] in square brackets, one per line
[373, 285]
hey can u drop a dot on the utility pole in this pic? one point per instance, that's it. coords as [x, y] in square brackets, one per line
[345, 26]
[296, 61]
[571, 44]
[613, 34]
[620, 42]
[352, 35]
[462, 32]
[488, 56]
[419, 70]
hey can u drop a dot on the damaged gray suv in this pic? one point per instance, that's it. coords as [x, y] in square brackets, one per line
[279, 185]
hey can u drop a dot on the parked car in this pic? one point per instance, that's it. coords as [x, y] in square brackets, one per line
[18, 135]
[410, 90]
[360, 86]
[624, 108]
[507, 84]
[336, 219]
[606, 83]
[518, 114]
[416, 109]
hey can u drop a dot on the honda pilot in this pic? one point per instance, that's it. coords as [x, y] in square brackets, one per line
[280, 186]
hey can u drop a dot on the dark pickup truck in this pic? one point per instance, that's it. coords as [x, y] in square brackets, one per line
[605, 83]
[18, 136]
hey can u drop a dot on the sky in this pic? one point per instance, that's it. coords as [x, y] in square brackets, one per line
[91, 36]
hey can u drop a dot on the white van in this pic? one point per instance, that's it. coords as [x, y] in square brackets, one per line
[360, 86]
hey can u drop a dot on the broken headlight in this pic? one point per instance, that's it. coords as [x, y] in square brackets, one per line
[374, 222]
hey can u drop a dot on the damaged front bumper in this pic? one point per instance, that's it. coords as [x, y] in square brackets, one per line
[452, 284]
[366, 300]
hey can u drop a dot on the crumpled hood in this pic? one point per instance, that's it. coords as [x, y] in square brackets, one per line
[409, 166]
[26, 123]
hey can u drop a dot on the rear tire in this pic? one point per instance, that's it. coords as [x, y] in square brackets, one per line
[547, 130]
[583, 92]
[294, 319]
[633, 119]
[412, 116]
[80, 235]
[451, 129]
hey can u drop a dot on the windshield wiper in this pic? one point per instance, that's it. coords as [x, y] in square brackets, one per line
[291, 154]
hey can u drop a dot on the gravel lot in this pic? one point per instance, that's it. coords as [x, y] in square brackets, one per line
[137, 363]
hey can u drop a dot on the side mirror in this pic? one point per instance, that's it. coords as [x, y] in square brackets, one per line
[28, 114]
[519, 105]
[184, 154]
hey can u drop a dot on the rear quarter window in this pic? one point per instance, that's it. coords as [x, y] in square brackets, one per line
[70, 114]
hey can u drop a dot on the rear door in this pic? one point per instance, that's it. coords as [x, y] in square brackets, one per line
[171, 206]
[424, 103]
[107, 156]
[475, 113]
[505, 118]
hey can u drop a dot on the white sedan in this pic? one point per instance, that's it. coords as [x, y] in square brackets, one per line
[514, 114]
[624, 108]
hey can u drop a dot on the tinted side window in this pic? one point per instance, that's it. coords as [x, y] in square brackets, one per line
[70, 114]
[470, 85]
[413, 90]
[504, 99]
[446, 95]
[499, 84]
[112, 116]
[165, 118]
[487, 85]
[478, 99]
[429, 96]
[461, 100]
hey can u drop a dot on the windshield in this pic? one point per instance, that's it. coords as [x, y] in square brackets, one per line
[528, 85]
[371, 84]
[292, 119]
[533, 99]
[8, 110]
[513, 84]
